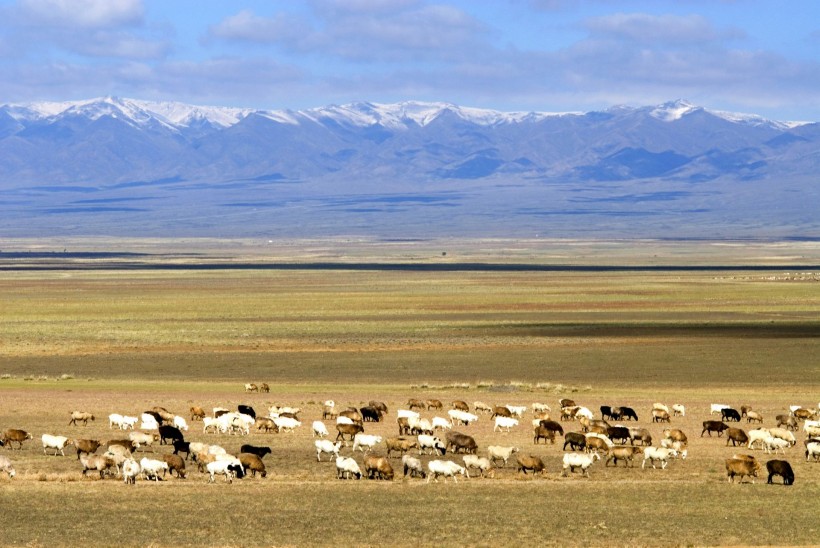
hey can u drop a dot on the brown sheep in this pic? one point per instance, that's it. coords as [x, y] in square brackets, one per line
[788, 421]
[197, 413]
[381, 406]
[434, 404]
[566, 402]
[264, 388]
[625, 453]
[329, 412]
[378, 467]
[253, 464]
[164, 414]
[80, 416]
[501, 411]
[736, 436]
[531, 463]
[414, 403]
[803, 414]
[89, 447]
[404, 426]
[714, 426]
[675, 434]
[266, 424]
[640, 435]
[659, 415]
[741, 467]
[402, 445]
[349, 430]
[175, 464]
[15, 435]
[542, 432]
[100, 463]
[461, 443]
[754, 416]
[203, 459]
[460, 405]
[353, 414]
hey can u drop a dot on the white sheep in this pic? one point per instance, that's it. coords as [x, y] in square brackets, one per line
[783, 434]
[771, 445]
[181, 423]
[498, 452]
[319, 429]
[286, 424]
[230, 468]
[813, 450]
[346, 467]
[343, 420]
[540, 408]
[662, 454]
[483, 464]
[481, 406]
[406, 413]
[440, 423]
[365, 442]
[6, 466]
[152, 467]
[578, 460]
[504, 423]
[148, 422]
[57, 443]
[326, 446]
[462, 417]
[678, 409]
[517, 410]
[130, 470]
[432, 443]
[446, 468]
[412, 466]
[757, 435]
[142, 438]
[583, 412]
[717, 408]
[660, 407]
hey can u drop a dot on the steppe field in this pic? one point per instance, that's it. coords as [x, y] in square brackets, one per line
[122, 326]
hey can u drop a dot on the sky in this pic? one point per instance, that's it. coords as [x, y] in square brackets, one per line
[751, 56]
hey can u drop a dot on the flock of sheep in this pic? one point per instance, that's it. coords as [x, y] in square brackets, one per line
[610, 438]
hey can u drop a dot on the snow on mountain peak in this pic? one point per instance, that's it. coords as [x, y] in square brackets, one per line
[673, 110]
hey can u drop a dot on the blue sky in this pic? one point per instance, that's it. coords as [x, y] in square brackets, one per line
[549, 55]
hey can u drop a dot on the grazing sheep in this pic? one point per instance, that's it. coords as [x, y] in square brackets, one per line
[415, 403]
[504, 423]
[264, 387]
[402, 445]
[253, 463]
[143, 438]
[640, 435]
[788, 422]
[483, 407]
[434, 404]
[783, 434]
[659, 415]
[180, 423]
[540, 408]
[152, 467]
[371, 414]
[130, 470]
[378, 468]
[460, 405]
[754, 416]
[440, 423]
[320, 430]
[728, 414]
[458, 416]
[266, 424]
[780, 468]
[169, 433]
[326, 446]
[542, 432]
[15, 435]
[286, 424]
[100, 463]
[575, 440]
[259, 451]
[365, 442]
[413, 466]
[675, 434]
[714, 426]
[678, 410]
[197, 413]
[532, 463]
[625, 453]
[757, 435]
[461, 443]
[6, 466]
[498, 452]
[583, 461]
[482, 464]
[736, 436]
[446, 468]
[83, 416]
[661, 454]
[349, 430]
[347, 467]
[57, 443]
[231, 468]
[435, 445]
[813, 450]
[329, 411]
[175, 464]
[90, 446]
[741, 467]
[251, 387]
[773, 444]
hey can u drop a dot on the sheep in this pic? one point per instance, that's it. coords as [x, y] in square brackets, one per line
[788, 422]
[440, 423]
[728, 414]
[462, 417]
[716, 408]
[246, 410]
[625, 413]
[407, 413]
[531, 463]
[714, 426]
[413, 466]
[118, 453]
[415, 403]
[251, 387]
[219, 411]
[100, 463]
[83, 416]
[625, 453]
[575, 440]
[329, 411]
[736, 436]
[517, 410]
[783, 434]
[365, 442]
[773, 444]
[504, 423]
[583, 461]
[420, 426]
[259, 451]
[123, 422]
[175, 464]
[754, 416]
[757, 435]
[352, 414]
[678, 410]
[780, 468]
[180, 423]
[90, 446]
[810, 428]
[460, 405]
[483, 465]
[458, 442]
[675, 434]
[660, 407]
[482, 407]
[378, 468]
[539, 408]
[813, 450]
[446, 468]
[553, 425]
[15, 435]
[659, 415]
[402, 445]
[320, 430]
[165, 416]
[370, 414]
[641, 435]
[152, 467]
[598, 443]
[347, 467]
[130, 471]
[197, 413]
[349, 430]
[172, 433]
[435, 445]
[266, 424]
[286, 424]
[57, 443]
[7, 467]
[741, 467]
[568, 413]
[583, 412]
[661, 454]
[231, 468]
[803, 414]
[566, 402]
[498, 452]
[542, 432]
[143, 438]
[434, 404]
[253, 463]
[325, 446]
[618, 434]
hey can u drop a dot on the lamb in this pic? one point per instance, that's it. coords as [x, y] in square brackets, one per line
[498, 452]
[6, 466]
[483, 464]
[413, 466]
[326, 446]
[253, 463]
[231, 468]
[661, 454]
[578, 460]
[15, 435]
[320, 430]
[446, 468]
[504, 423]
[152, 467]
[57, 443]
[347, 467]
[130, 471]
[77, 416]
[365, 442]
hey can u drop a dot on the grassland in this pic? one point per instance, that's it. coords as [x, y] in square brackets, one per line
[106, 338]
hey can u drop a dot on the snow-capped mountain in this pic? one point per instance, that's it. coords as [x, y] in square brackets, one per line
[676, 169]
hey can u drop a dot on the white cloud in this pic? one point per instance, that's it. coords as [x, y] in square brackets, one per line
[83, 13]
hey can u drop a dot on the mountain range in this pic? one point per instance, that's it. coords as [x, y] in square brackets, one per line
[124, 167]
